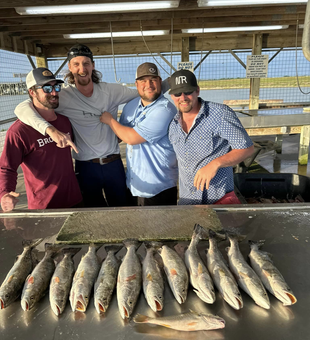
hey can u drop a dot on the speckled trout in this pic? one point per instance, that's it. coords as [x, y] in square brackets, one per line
[187, 322]
[129, 279]
[153, 282]
[38, 281]
[245, 275]
[106, 280]
[84, 279]
[12, 285]
[176, 272]
[199, 276]
[61, 281]
[273, 280]
[221, 275]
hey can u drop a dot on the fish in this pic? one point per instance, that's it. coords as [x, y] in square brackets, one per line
[221, 275]
[61, 281]
[245, 275]
[199, 276]
[38, 281]
[176, 272]
[187, 322]
[129, 279]
[106, 280]
[271, 277]
[84, 278]
[12, 285]
[153, 282]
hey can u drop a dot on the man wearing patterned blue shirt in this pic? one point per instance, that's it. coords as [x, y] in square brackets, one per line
[209, 140]
[151, 161]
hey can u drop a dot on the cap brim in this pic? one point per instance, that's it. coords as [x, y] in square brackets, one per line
[58, 81]
[184, 89]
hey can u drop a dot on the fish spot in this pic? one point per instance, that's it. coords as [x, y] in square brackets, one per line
[57, 279]
[10, 278]
[165, 325]
[173, 272]
[31, 280]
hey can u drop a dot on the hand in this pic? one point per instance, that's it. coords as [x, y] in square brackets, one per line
[106, 117]
[8, 201]
[61, 139]
[204, 175]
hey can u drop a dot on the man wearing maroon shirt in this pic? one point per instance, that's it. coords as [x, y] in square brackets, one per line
[48, 170]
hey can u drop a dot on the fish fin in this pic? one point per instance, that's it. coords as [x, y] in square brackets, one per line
[180, 249]
[200, 269]
[173, 272]
[152, 244]
[131, 241]
[149, 277]
[97, 246]
[71, 251]
[266, 272]
[10, 278]
[259, 243]
[56, 279]
[234, 236]
[193, 312]
[200, 232]
[52, 250]
[244, 276]
[114, 248]
[82, 274]
[139, 318]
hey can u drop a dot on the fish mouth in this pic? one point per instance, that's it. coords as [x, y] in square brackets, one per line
[100, 308]
[263, 303]
[207, 297]
[25, 305]
[180, 298]
[1, 304]
[125, 313]
[56, 309]
[222, 324]
[80, 304]
[287, 298]
[235, 302]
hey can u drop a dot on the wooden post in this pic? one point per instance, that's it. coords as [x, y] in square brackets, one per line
[41, 62]
[278, 144]
[255, 82]
[185, 49]
[304, 145]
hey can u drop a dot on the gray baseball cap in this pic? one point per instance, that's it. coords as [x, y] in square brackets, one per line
[40, 76]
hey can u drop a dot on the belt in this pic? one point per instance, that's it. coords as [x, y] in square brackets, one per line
[106, 160]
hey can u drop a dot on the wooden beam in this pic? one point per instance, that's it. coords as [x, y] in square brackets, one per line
[303, 151]
[185, 49]
[255, 82]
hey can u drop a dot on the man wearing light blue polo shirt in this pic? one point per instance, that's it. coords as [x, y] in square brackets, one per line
[152, 171]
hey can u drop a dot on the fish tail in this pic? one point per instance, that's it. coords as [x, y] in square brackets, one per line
[200, 232]
[115, 248]
[95, 246]
[218, 236]
[31, 243]
[152, 244]
[51, 250]
[139, 318]
[235, 236]
[131, 242]
[70, 251]
[259, 243]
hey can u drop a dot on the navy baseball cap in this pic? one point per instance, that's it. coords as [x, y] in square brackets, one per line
[80, 50]
[183, 81]
[40, 76]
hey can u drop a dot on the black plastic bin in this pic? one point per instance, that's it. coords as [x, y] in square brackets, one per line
[280, 186]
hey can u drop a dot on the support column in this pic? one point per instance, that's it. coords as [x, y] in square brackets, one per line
[41, 62]
[278, 144]
[185, 49]
[255, 82]
[304, 145]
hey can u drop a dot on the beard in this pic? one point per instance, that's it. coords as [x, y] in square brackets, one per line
[82, 81]
[48, 103]
[150, 98]
[186, 109]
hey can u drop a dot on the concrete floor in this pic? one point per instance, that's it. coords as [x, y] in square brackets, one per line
[287, 162]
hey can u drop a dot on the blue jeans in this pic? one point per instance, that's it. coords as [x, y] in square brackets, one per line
[94, 177]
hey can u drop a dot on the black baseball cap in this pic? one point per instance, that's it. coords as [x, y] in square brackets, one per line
[80, 50]
[40, 76]
[183, 81]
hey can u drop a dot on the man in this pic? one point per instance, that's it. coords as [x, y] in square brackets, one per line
[208, 139]
[48, 170]
[98, 164]
[151, 162]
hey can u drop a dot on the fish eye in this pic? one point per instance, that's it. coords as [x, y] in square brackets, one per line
[7, 295]
[212, 290]
[130, 302]
[31, 298]
[239, 294]
[105, 299]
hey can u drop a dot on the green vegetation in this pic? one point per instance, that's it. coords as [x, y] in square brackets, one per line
[243, 83]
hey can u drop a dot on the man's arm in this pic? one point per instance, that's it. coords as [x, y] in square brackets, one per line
[27, 113]
[204, 175]
[125, 133]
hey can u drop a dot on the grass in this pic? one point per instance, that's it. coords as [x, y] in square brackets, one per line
[244, 83]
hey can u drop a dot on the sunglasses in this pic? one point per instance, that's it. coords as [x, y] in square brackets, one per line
[49, 88]
[185, 93]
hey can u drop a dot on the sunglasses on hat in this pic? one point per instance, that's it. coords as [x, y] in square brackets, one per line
[185, 93]
[49, 88]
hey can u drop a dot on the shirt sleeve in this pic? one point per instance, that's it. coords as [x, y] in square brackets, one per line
[156, 123]
[26, 112]
[232, 130]
[11, 158]
[121, 94]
